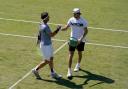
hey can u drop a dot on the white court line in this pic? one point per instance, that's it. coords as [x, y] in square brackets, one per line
[23, 36]
[26, 21]
[26, 75]
[106, 29]
[105, 45]
[96, 44]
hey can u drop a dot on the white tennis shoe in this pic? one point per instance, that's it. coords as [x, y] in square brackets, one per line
[77, 68]
[56, 76]
[69, 74]
[35, 72]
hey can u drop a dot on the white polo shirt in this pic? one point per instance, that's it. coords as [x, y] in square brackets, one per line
[77, 27]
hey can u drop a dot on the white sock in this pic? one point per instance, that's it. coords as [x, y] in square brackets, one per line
[69, 70]
[78, 64]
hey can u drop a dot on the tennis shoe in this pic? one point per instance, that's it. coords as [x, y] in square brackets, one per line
[69, 75]
[77, 68]
[56, 76]
[35, 72]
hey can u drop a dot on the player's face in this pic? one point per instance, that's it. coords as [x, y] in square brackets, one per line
[76, 15]
[47, 18]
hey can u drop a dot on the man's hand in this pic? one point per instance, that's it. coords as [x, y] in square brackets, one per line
[58, 27]
[52, 34]
[79, 41]
[65, 27]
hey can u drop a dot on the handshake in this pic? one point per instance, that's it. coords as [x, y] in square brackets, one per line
[58, 29]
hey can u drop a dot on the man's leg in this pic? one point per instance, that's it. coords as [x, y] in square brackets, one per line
[53, 73]
[77, 67]
[71, 54]
[35, 70]
[80, 49]
[79, 56]
[42, 64]
[51, 65]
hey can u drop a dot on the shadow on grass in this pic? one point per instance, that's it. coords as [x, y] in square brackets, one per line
[65, 82]
[94, 77]
[88, 77]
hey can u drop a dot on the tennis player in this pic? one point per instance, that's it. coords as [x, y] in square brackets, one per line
[44, 39]
[78, 31]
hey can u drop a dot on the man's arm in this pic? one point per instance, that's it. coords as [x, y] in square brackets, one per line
[65, 27]
[85, 33]
[39, 38]
[52, 34]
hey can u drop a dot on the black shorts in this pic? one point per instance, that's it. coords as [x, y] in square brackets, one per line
[79, 47]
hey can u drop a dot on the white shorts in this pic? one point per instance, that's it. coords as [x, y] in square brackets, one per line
[47, 51]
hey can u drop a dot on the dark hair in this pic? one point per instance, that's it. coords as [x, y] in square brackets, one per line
[44, 15]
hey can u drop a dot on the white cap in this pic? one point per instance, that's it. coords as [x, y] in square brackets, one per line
[76, 10]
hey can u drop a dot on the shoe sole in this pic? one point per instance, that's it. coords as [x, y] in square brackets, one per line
[76, 70]
[70, 77]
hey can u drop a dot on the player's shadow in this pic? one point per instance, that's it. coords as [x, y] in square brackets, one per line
[88, 77]
[94, 77]
[65, 82]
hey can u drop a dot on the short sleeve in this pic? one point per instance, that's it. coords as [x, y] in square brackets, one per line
[42, 27]
[45, 29]
[69, 22]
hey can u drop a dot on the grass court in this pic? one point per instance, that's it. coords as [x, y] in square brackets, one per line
[105, 59]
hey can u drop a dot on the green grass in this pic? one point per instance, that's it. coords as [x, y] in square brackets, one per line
[102, 67]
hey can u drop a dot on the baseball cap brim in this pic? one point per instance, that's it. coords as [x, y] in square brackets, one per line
[76, 10]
